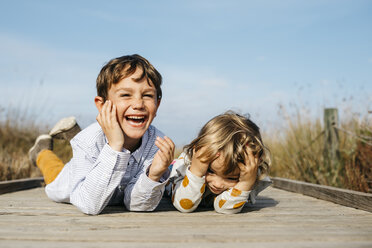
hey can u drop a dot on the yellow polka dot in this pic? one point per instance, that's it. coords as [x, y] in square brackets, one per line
[185, 181]
[186, 203]
[235, 192]
[238, 205]
[221, 203]
[180, 158]
[202, 189]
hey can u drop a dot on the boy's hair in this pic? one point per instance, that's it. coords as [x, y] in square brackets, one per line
[230, 133]
[122, 67]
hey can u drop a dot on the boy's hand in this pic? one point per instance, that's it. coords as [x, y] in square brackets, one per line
[248, 172]
[197, 167]
[163, 158]
[108, 121]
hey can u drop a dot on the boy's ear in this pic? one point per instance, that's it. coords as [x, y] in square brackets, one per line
[159, 101]
[99, 102]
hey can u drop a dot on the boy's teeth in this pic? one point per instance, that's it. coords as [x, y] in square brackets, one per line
[135, 117]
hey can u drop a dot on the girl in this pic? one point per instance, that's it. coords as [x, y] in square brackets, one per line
[225, 166]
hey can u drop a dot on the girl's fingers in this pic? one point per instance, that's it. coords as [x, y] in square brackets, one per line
[242, 167]
[251, 158]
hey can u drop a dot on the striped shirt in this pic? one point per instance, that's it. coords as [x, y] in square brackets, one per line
[98, 176]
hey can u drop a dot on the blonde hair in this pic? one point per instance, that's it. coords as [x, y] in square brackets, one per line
[230, 133]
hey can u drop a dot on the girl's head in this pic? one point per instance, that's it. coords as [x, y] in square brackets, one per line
[224, 139]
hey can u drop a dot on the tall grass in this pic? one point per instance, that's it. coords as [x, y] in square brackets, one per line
[296, 147]
[297, 151]
[18, 132]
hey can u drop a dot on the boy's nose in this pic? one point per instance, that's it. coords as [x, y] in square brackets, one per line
[138, 104]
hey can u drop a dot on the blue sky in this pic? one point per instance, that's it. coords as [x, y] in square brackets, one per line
[249, 56]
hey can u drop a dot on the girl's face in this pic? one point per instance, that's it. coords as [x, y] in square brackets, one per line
[216, 181]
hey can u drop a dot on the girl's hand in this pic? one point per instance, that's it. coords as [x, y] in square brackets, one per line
[248, 172]
[197, 167]
[108, 121]
[163, 158]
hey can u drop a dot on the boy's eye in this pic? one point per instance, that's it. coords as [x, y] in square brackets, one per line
[149, 95]
[233, 178]
[124, 95]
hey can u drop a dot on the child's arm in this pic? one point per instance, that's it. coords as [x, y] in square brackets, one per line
[232, 201]
[94, 181]
[145, 193]
[108, 121]
[163, 158]
[188, 191]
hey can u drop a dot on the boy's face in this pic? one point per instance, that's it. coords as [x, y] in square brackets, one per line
[216, 181]
[136, 104]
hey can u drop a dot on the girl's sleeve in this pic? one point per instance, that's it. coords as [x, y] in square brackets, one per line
[231, 201]
[187, 189]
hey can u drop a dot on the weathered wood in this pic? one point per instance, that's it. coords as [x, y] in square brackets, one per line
[278, 219]
[20, 184]
[331, 151]
[344, 197]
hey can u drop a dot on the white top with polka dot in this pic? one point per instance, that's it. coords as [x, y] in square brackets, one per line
[189, 190]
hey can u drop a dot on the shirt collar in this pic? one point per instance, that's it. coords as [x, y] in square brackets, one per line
[138, 154]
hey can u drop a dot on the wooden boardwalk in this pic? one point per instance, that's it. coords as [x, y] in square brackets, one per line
[278, 219]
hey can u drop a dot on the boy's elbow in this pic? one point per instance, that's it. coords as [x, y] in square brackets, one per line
[90, 209]
[140, 207]
[91, 212]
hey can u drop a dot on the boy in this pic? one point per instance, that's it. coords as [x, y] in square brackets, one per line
[121, 158]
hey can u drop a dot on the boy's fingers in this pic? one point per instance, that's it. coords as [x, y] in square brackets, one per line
[169, 141]
[113, 113]
[161, 145]
[103, 112]
[164, 145]
[162, 156]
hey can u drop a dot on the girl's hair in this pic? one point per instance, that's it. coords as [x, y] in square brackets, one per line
[230, 133]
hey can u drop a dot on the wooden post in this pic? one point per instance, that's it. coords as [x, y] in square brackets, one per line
[331, 144]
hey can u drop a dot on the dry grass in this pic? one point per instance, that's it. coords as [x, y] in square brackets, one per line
[297, 149]
[17, 135]
[297, 152]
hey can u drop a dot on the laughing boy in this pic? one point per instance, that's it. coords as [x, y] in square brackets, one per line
[120, 159]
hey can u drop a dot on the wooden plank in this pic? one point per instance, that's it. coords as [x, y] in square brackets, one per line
[344, 197]
[20, 184]
[278, 219]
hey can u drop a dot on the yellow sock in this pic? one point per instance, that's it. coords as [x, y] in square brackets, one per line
[49, 164]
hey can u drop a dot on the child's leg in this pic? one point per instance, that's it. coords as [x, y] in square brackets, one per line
[41, 153]
[49, 164]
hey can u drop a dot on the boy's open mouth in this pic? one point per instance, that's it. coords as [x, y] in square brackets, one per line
[136, 119]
